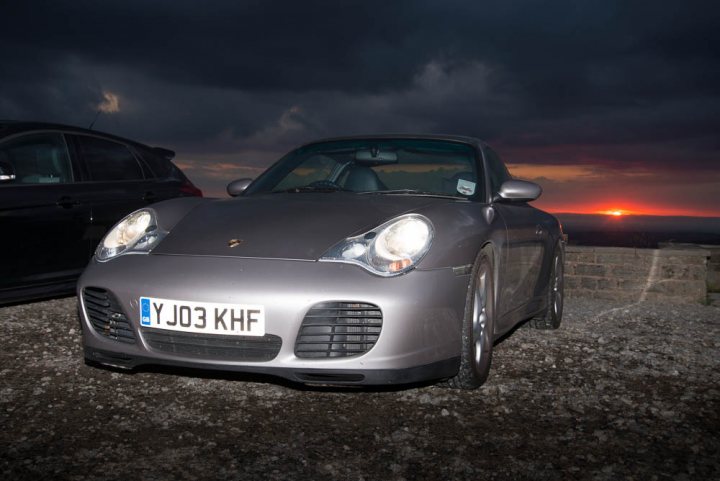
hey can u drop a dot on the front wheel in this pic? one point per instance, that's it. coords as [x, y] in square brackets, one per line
[551, 317]
[477, 329]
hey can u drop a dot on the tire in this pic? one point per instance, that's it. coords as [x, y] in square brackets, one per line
[551, 317]
[477, 328]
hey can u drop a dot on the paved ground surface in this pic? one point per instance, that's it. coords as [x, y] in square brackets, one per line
[618, 392]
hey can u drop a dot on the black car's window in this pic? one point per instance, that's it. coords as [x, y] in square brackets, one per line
[497, 172]
[107, 160]
[37, 159]
[161, 168]
[392, 166]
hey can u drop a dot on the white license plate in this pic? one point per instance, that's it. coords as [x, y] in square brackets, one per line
[202, 317]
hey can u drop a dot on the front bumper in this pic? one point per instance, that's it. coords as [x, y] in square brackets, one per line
[422, 314]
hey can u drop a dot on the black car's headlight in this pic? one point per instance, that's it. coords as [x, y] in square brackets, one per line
[137, 232]
[391, 249]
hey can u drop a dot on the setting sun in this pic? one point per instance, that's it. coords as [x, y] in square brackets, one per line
[614, 212]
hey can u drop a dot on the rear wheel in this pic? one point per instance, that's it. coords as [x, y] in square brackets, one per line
[551, 317]
[478, 322]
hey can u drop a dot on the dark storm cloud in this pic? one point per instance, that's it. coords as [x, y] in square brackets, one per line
[241, 45]
[621, 83]
[563, 50]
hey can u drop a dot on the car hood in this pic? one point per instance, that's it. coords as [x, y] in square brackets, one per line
[283, 226]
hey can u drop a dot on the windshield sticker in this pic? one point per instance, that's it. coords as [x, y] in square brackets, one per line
[465, 187]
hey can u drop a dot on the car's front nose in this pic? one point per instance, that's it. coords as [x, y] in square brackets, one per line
[364, 329]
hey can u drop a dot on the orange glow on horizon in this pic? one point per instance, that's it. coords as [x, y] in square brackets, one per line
[595, 188]
[615, 212]
[626, 210]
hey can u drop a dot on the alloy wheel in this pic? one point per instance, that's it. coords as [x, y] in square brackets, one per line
[480, 316]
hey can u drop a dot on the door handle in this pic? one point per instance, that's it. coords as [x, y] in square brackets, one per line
[539, 230]
[67, 202]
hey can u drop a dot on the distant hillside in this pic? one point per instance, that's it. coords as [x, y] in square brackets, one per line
[639, 230]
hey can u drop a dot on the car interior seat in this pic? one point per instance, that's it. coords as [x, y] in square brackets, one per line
[45, 165]
[361, 178]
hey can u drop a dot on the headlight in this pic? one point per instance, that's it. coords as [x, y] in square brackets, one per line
[138, 232]
[389, 250]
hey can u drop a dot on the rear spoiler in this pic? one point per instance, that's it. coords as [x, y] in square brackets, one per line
[164, 153]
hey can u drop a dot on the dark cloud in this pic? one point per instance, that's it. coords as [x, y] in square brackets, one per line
[629, 85]
[558, 50]
[259, 46]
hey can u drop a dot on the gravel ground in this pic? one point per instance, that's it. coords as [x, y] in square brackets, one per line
[618, 392]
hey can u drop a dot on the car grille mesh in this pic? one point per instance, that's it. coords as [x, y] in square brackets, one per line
[106, 316]
[214, 346]
[338, 329]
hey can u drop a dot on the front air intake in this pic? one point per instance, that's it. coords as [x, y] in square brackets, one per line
[106, 316]
[338, 329]
[214, 346]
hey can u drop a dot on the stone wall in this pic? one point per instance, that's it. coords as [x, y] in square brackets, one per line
[631, 275]
[713, 276]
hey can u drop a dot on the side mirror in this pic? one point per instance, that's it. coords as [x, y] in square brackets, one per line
[519, 191]
[7, 173]
[237, 187]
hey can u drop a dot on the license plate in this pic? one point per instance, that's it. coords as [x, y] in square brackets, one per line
[202, 317]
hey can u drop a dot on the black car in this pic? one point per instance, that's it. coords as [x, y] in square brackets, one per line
[61, 189]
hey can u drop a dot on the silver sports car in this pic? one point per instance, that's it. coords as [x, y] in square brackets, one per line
[360, 260]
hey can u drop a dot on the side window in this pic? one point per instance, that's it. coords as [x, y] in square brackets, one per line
[497, 171]
[161, 168]
[315, 168]
[107, 160]
[38, 159]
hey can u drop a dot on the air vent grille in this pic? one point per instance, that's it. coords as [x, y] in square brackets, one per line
[106, 316]
[338, 329]
[213, 346]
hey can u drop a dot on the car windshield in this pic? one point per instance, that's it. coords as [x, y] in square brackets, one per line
[367, 166]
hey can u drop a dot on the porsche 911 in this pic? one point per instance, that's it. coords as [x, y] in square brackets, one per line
[376, 260]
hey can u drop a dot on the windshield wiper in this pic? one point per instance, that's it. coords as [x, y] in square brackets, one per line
[413, 192]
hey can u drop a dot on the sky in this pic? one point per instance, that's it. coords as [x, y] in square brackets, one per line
[608, 105]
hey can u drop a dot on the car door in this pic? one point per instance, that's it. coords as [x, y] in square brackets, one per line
[116, 182]
[43, 218]
[524, 246]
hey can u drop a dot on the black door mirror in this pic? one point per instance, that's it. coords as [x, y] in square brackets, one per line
[7, 173]
[237, 187]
